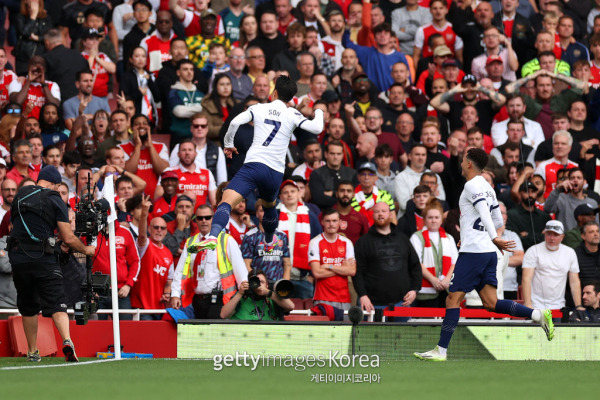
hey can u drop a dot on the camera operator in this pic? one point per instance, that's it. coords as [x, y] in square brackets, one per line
[37, 211]
[260, 304]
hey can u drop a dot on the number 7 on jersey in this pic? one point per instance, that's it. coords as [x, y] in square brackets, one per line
[276, 126]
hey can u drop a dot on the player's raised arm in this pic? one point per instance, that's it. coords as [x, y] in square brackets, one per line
[315, 125]
[241, 119]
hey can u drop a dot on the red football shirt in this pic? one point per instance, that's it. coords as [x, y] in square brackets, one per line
[334, 288]
[156, 267]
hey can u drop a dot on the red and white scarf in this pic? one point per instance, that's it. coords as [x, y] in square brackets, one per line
[429, 259]
[301, 236]
[366, 205]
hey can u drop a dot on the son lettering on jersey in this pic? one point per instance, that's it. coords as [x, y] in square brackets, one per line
[274, 112]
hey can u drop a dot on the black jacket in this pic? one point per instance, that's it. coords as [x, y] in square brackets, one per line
[27, 47]
[387, 267]
[325, 179]
[62, 66]
[270, 47]
[129, 86]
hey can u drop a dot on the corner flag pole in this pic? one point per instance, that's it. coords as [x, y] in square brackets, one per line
[109, 191]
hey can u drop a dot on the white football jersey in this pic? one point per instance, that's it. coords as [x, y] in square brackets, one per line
[274, 124]
[474, 238]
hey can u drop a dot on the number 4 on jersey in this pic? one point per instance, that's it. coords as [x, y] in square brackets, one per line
[276, 126]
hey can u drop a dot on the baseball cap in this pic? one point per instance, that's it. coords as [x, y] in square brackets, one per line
[2, 163]
[359, 75]
[368, 165]
[169, 175]
[50, 174]
[469, 79]
[329, 96]
[183, 197]
[90, 33]
[584, 209]
[494, 58]
[208, 13]
[451, 62]
[525, 186]
[554, 226]
[442, 50]
[287, 182]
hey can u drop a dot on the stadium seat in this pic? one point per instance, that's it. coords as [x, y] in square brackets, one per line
[162, 138]
[308, 304]
[312, 318]
[298, 304]
[46, 339]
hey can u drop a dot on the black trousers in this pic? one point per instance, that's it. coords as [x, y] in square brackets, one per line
[204, 308]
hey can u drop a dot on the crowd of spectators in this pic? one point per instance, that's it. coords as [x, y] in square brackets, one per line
[144, 91]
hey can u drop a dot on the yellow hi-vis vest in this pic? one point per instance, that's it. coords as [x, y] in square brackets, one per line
[228, 282]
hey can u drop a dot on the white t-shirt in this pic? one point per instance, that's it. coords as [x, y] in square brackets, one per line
[273, 126]
[550, 275]
[510, 274]
[474, 228]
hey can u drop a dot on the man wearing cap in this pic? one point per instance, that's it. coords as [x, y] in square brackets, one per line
[198, 45]
[493, 40]
[567, 196]
[366, 194]
[85, 103]
[546, 267]
[469, 90]
[39, 210]
[99, 62]
[494, 67]
[583, 214]
[441, 56]
[525, 218]
[169, 181]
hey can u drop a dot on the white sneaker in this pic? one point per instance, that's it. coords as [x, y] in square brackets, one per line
[547, 324]
[431, 355]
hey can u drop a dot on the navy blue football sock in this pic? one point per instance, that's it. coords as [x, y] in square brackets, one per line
[448, 326]
[512, 308]
[269, 222]
[220, 219]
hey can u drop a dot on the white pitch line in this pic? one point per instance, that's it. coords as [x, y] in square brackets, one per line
[58, 365]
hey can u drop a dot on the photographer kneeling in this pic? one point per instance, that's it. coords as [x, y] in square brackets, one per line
[36, 212]
[259, 304]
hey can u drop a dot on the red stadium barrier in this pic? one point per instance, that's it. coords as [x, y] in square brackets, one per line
[425, 312]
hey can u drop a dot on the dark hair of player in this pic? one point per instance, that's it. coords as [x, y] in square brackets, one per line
[479, 158]
[286, 88]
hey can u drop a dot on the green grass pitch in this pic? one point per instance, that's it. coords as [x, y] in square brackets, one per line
[187, 379]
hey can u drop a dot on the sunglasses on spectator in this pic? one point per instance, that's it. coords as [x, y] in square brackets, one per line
[13, 111]
[196, 126]
[204, 217]
[158, 227]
